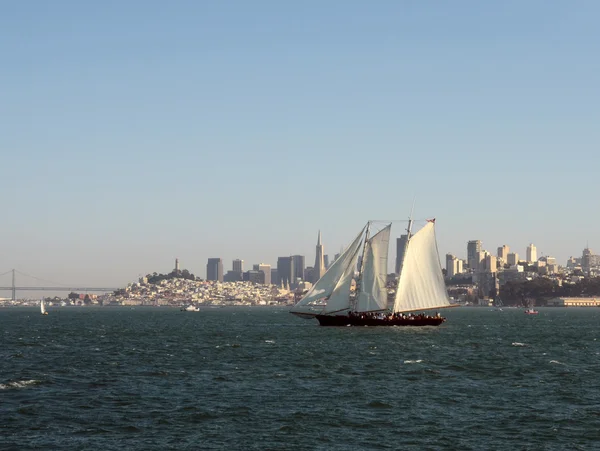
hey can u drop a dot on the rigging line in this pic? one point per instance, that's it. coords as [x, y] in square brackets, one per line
[42, 280]
[7, 272]
[398, 220]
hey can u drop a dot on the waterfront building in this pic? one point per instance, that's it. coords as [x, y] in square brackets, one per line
[299, 265]
[214, 269]
[512, 259]
[531, 254]
[574, 302]
[285, 270]
[319, 268]
[238, 265]
[400, 248]
[473, 250]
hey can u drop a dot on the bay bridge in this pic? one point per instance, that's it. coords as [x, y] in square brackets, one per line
[48, 286]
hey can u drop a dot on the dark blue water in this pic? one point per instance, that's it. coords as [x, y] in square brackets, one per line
[260, 378]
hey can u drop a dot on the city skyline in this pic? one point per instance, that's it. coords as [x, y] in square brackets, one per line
[226, 264]
[135, 133]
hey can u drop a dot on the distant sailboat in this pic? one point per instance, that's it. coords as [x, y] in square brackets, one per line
[43, 307]
[420, 284]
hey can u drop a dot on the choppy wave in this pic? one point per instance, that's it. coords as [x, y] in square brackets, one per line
[19, 384]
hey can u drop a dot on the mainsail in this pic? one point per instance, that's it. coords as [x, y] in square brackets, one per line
[373, 292]
[421, 285]
[325, 286]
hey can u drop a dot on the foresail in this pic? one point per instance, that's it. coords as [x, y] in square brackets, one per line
[421, 285]
[340, 297]
[373, 292]
[324, 287]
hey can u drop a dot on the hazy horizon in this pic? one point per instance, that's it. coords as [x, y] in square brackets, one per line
[134, 133]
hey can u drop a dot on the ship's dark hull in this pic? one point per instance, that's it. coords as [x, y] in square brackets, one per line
[339, 320]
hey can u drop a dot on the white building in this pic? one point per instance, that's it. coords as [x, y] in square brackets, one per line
[531, 253]
[454, 266]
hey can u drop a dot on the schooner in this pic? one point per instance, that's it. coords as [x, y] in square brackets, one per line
[420, 284]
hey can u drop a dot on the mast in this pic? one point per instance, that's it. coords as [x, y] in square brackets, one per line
[360, 272]
[408, 237]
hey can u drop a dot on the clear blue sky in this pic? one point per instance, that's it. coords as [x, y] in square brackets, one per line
[135, 132]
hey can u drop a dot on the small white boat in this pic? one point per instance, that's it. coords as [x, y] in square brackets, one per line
[190, 308]
[43, 307]
[531, 311]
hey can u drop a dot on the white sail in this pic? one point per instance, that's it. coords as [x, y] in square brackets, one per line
[421, 285]
[42, 307]
[325, 285]
[340, 297]
[373, 292]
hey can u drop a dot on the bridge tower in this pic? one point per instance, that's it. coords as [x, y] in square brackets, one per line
[14, 290]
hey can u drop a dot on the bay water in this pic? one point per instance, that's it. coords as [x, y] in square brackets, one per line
[262, 379]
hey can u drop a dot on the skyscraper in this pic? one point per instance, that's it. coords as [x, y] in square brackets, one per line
[319, 268]
[238, 265]
[454, 266]
[285, 270]
[531, 253]
[491, 264]
[586, 260]
[473, 250]
[266, 270]
[214, 269]
[450, 265]
[299, 265]
[400, 248]
[503, 253]
[326, 260]
[275, 277]
[512, 259]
